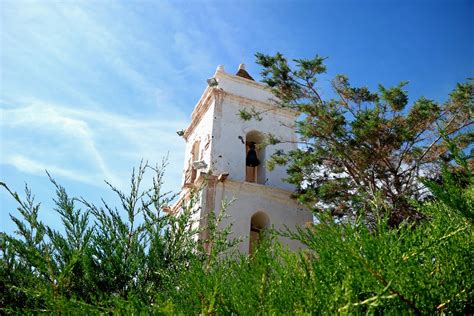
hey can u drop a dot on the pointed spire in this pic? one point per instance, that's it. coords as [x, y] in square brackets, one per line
[243, 73]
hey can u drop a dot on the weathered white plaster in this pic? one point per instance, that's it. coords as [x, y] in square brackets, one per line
[221, 133]
[250, 198]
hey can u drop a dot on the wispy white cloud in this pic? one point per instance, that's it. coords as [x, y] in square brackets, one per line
[84, 145]
[27, 165]
[90, 89]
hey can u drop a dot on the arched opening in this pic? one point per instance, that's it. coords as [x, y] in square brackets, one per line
[258, 223]
[194, 157]
[254, 158]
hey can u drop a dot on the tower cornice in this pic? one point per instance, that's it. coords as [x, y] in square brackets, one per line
[265, 106]
[206, 100]
[200, 109]
[242, 80]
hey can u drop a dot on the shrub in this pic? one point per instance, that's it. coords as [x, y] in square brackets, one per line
[148, 262]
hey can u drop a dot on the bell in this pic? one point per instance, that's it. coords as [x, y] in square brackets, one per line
[252, 160]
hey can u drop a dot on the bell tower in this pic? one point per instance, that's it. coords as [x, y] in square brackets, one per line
[229, 153]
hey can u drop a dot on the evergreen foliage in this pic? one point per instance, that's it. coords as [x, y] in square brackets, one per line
[362, 146]
[363, 156]
[107, 260]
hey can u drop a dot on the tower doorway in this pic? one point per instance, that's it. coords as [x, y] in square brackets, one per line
[258, 223]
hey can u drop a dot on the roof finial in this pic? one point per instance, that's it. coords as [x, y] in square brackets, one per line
[243, 73]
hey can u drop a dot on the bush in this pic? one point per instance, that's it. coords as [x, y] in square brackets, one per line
[103, 260]
[149, 262]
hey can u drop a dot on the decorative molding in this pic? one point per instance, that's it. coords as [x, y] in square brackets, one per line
[268, 192]
[199, 110]
[245, 81]
[218, 93]
[267, 106]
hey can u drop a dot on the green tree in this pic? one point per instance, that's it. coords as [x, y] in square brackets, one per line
[362, 151]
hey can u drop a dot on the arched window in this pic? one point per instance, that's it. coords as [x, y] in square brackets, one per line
[258, 223]
[194, 157]
[254, 158]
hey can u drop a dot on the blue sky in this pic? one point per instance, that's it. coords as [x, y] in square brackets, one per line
[89, 88]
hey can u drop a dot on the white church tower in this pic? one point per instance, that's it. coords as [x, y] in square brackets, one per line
[217, 158]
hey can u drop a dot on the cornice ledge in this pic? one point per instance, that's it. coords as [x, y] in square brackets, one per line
[265, 105]
[255, 187]
[244, 81]
[200, 109]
